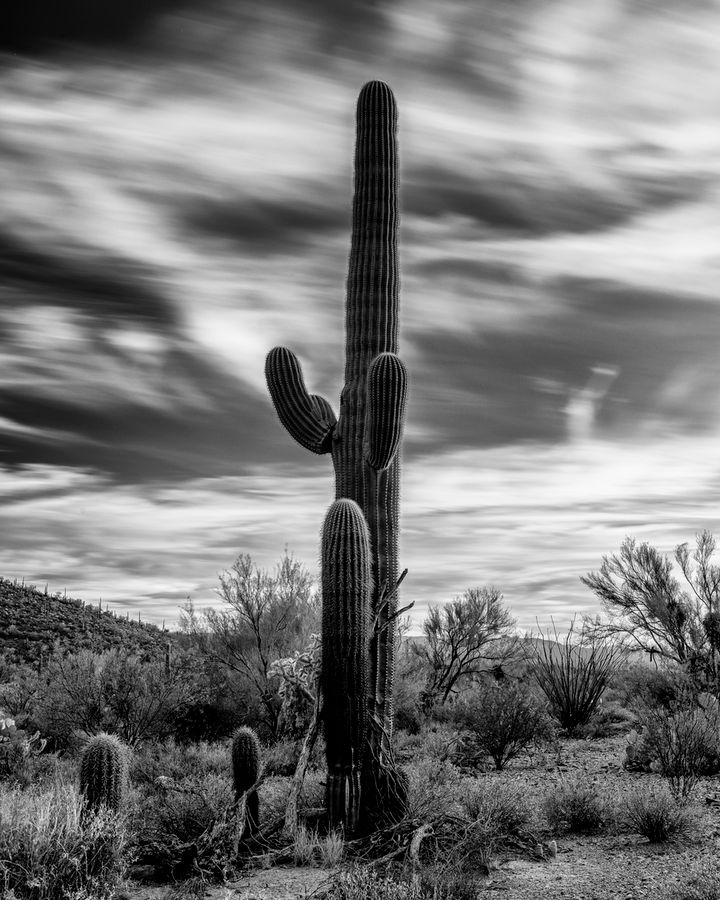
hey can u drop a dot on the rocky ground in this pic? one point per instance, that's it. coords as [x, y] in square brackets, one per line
[594, 867]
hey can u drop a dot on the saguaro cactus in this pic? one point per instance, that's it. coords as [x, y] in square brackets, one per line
[364, 440]
[345, 573]
[246, 770]
[104, 772]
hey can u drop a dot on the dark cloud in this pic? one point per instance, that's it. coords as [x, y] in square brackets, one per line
[227, 432]
[108, 288]
[494, 386]
[537, 200]
[477, 271]
[483, 52]
[270, 226]
[665, 345]
[35, 25]
[472, 392]
[343, 26]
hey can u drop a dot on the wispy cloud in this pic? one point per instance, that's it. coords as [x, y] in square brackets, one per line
[176, 201]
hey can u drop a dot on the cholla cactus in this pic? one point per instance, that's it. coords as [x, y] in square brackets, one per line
[246, 771]
[365, 439]
[16, 745]
[298, 675]
[104, 772]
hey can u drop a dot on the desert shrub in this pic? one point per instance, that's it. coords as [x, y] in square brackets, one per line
[208, 720]
[500, 719]
[434, 787]
[275, 791]
[649, 607]
[281, 758]
[184, 819]
[663, 685]
[431, 742]
[265, 616]
[332, 849]
[459, 848]
[683, 743]
[608, 720]
[370, 884]
[638, 755]
[462, 639]
[446, 882]
[429, 883]
[503, 805]
[408, 717]
[657, 815]
[573, 673]
[304, 846]
[312, 849]
[118, 692]
[576, 805]
[50, 851]
[703, 884]
[175, 760]
[410, 678]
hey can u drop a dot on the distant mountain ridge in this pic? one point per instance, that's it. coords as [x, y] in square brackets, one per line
[32, 621]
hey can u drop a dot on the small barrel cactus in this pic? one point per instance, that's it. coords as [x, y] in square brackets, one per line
[104, 772]
[246, 771]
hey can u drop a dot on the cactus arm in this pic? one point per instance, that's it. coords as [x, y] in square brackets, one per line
[384, 409]
[345, 571]
[308, 418]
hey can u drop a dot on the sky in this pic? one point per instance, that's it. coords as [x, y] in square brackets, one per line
[176, 193]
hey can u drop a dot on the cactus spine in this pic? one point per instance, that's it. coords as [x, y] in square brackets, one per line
[345, 575]
[104, 772]
[365, 439]
[246, 771]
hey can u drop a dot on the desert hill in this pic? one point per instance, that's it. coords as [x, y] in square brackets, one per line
[33, 621]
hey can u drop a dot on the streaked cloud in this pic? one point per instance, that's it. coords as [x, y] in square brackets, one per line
[176, 201]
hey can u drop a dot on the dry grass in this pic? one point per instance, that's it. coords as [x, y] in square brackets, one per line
[578, 805]
[49, 851]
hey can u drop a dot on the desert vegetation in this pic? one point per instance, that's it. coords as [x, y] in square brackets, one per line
[543, 742]
[299, 725]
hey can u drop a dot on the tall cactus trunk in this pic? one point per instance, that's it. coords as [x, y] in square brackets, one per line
[364, 441]
[369, 415]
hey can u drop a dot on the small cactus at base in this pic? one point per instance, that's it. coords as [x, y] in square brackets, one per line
[246, 771]
[104, 772]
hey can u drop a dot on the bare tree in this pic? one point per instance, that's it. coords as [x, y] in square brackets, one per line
[267, 616]
[649, 608]
[463, 638]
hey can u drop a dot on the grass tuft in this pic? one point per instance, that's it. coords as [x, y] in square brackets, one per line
[49, 850]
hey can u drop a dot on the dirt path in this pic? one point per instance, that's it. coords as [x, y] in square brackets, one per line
[603, 868]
